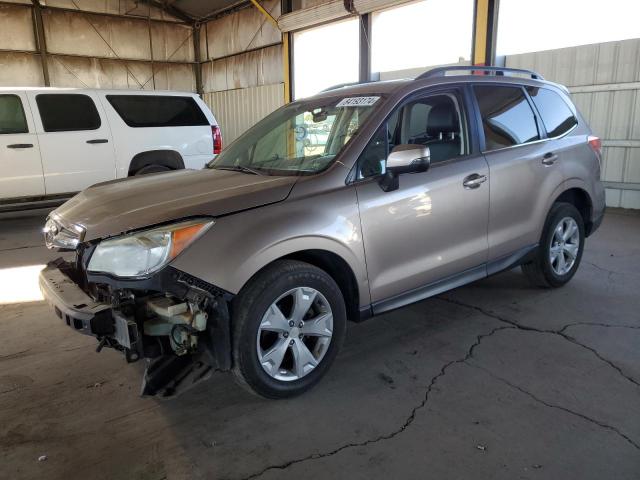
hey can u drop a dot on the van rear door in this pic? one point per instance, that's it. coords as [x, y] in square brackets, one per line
[75, 140]
[20, 166]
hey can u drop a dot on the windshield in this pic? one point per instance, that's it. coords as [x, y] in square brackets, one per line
[301, 138]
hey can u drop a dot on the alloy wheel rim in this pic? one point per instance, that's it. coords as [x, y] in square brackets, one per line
[294, 334]
[565, 244]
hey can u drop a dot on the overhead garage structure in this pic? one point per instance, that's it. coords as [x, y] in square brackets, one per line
[492, 379]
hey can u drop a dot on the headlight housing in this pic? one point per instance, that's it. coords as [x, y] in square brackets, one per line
[142, 253]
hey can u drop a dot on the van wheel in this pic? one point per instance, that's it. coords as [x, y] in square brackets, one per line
[289, 323]
[560, 250]
[152, 169]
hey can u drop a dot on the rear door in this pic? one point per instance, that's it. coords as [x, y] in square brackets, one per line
[20, 166]
[75, 141]
[525, 174]
[434, 226]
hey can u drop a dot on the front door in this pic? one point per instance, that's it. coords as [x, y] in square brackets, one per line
[75, 141]
[20, 167]
[432, 230]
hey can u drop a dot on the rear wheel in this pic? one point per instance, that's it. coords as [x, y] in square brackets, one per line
[560, 249]
[288, 325]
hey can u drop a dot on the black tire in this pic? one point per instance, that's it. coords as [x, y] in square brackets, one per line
[248, 308]
[540, 272]
[152, 169]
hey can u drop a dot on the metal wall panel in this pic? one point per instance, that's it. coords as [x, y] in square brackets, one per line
[172, 42]
[112, 7]
[251, 69]
[237, 110]
[20, 70]
[16, 28]
[95, 35]
[83, 72]
[605, 83]
[244, 30]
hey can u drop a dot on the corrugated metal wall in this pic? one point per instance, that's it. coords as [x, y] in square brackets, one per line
[243, 74]
[604, 80]
[96, 44]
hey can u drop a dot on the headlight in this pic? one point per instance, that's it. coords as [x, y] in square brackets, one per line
[139, 254]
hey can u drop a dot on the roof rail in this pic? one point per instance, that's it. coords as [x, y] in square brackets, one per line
[342, 85]
[499, 71]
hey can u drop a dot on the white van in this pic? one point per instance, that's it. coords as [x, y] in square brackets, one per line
[57, 141]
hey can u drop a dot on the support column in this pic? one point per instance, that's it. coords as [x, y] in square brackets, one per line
[41, 43]
[365, 48]
[198, 60]
[485, 28]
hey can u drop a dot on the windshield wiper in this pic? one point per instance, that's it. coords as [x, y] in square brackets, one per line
[238, 168]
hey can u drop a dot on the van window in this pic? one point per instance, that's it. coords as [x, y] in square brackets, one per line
[507, 117]
[67, 112]
[556, 114]
[12, 119]
[157, 110]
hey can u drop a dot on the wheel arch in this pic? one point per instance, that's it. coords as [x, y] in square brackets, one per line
[336, 267]
[579, 198]
[166, 158]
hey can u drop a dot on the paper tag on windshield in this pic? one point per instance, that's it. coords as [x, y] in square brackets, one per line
[357, 102]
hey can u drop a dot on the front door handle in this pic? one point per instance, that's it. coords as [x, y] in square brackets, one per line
[549, 158]
[98, 140]
[20, 145]
[474, 181]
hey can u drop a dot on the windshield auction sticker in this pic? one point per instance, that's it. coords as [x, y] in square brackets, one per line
[357, 102]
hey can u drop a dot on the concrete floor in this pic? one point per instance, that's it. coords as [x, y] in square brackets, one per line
[493, 380]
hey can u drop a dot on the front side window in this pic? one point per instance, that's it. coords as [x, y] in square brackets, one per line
[302, 138]
[556, 114]
[12, 119]
[157, 110]
[67, 112]
[435, 122]
[507, 118]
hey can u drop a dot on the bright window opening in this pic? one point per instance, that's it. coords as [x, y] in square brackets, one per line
[325, 56]
[427, 33]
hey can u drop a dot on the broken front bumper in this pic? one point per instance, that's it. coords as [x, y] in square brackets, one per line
[132, 333]
[72, 305]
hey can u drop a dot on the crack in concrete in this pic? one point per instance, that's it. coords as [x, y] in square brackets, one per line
[559, 407]
[597, 324]
[607, 270]
[408, 421]
[559, 332]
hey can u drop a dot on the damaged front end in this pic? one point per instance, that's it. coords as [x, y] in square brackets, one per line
[177, 322]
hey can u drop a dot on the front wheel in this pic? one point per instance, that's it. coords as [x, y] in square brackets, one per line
[560, 249]
[288, 325]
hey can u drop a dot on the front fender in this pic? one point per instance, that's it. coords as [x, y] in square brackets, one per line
[240, 245]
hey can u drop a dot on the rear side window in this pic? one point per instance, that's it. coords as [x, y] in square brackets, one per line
[507, 117]
[556, 114]
[67, 112]
[12, 119]
[157, 111]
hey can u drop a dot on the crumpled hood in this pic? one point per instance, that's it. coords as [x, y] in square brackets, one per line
[110, 208]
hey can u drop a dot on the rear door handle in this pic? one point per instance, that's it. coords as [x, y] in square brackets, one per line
[474, 181]
[549, 158]
[98, 140]
[20, 145]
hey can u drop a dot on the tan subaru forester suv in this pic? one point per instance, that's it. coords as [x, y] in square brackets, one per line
[337, 207]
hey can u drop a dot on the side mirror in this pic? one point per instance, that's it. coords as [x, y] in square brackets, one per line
[408, 158]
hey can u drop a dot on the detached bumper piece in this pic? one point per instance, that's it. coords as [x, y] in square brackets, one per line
[72, 305]
[184, 338]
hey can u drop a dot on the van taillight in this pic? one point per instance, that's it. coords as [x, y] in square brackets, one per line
[596, 144]
[217, 139]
